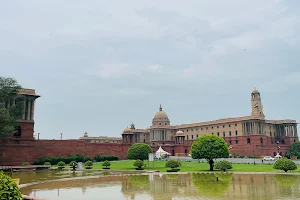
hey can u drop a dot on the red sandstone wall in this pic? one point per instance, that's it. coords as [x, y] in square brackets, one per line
[29, 151]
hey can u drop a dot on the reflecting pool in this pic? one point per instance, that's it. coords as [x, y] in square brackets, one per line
[170, 186]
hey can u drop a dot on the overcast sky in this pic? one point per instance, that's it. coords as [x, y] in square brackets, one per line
[100, 65]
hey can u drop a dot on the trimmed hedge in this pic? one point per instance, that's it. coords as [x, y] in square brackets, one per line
[284, 164]
[139, 164]
[67, 159]
[101, 158]
[25, 164]
[8, 188]
[88, 164]
[47, 163]
[106, 164]
[61, 164]
[173, 163]
[223, 165]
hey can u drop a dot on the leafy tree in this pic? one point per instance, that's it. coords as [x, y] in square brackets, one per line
[294, 150]
[139, 164]
[138, 151]
[8, 188]
[106, 164]
[223, 165]
[9, 111]
[209, 147]
[173, 163]
[285, 164]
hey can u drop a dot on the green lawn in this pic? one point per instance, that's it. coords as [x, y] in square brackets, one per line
[191, 167]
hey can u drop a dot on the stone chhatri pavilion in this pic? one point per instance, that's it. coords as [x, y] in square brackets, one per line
[248, 135]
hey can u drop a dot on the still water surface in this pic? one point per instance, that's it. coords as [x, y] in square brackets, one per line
[159, 186]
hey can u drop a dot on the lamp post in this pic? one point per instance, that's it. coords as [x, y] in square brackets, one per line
[278, 147]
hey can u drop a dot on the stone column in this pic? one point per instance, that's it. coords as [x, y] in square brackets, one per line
[29, 110]
[24, 109]
[296, 133]
[32, 108]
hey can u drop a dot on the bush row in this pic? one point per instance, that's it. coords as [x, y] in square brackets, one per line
[101, 158]
[78, 158]
[68, 159]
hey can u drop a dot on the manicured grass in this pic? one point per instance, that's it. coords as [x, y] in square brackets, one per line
[191, 167]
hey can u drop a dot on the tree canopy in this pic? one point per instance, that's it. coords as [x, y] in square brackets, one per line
[209, 147]
[284, 164]
[9, 95]
[138, 151]
[294, 150]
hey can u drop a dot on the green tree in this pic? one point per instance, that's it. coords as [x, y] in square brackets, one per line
[294, 150]
[11, 106]
[138, 151]
[223, 165]
[285, 164]
[106, 164]
[8, 188]
[139, 164]
[210, 147]
[88, 164]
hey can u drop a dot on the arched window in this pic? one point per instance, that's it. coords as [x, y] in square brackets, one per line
[173, 152]
[261, 140]
[248, 140]
[197, 135]
[185, 151]
[18, 132]
[192, 136]
[282, 141]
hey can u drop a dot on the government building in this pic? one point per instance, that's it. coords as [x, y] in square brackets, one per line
[248, 135]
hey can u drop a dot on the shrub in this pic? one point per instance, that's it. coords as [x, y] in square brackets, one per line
[223, 165]
[284, 164]
[106, 164]
[8, 188]
[71, 163]
[88, 164]
[47, 163]
[25, 163]
[139, 164]
[68, 159]
[173, 164]
[61, 164]
[138, 151]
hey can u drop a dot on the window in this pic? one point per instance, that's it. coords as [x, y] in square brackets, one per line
[282, 141]
[223, 126]
[144, 141]
[187, 137]
[212, 127]
[159, 123]
[236, 133]
[236, 141]
[235, 124]
[192, 136]
[270, 133]
[230, 142]
[218, 134]
[261, 140]
[197, 136]
[201, 128]
[165, 123]
[212, 133]
[217, 126]
[229, 133]
[224, 134]
[187, 130]
[248, 140]
[229, 125]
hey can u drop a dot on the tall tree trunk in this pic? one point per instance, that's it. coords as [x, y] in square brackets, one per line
[211, 164]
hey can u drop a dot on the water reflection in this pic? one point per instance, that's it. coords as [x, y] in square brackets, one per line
[212, 184]
[173, 186]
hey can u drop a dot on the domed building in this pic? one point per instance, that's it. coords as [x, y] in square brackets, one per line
[247, 135]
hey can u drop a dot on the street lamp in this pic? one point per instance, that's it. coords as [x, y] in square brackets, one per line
[278, 147]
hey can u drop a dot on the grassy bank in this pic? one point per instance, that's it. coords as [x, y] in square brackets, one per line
[191, 167]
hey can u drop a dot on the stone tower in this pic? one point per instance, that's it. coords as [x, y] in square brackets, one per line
[257, 108]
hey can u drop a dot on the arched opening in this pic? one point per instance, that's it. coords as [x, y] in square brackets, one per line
[248, 141]
[173, 152]
[18, 132]
[282, 141]
[185, 151]
[261, 140]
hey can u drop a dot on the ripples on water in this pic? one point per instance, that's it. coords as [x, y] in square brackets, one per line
[158, 186]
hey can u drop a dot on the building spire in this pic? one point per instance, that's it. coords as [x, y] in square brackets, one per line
[160, 108]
